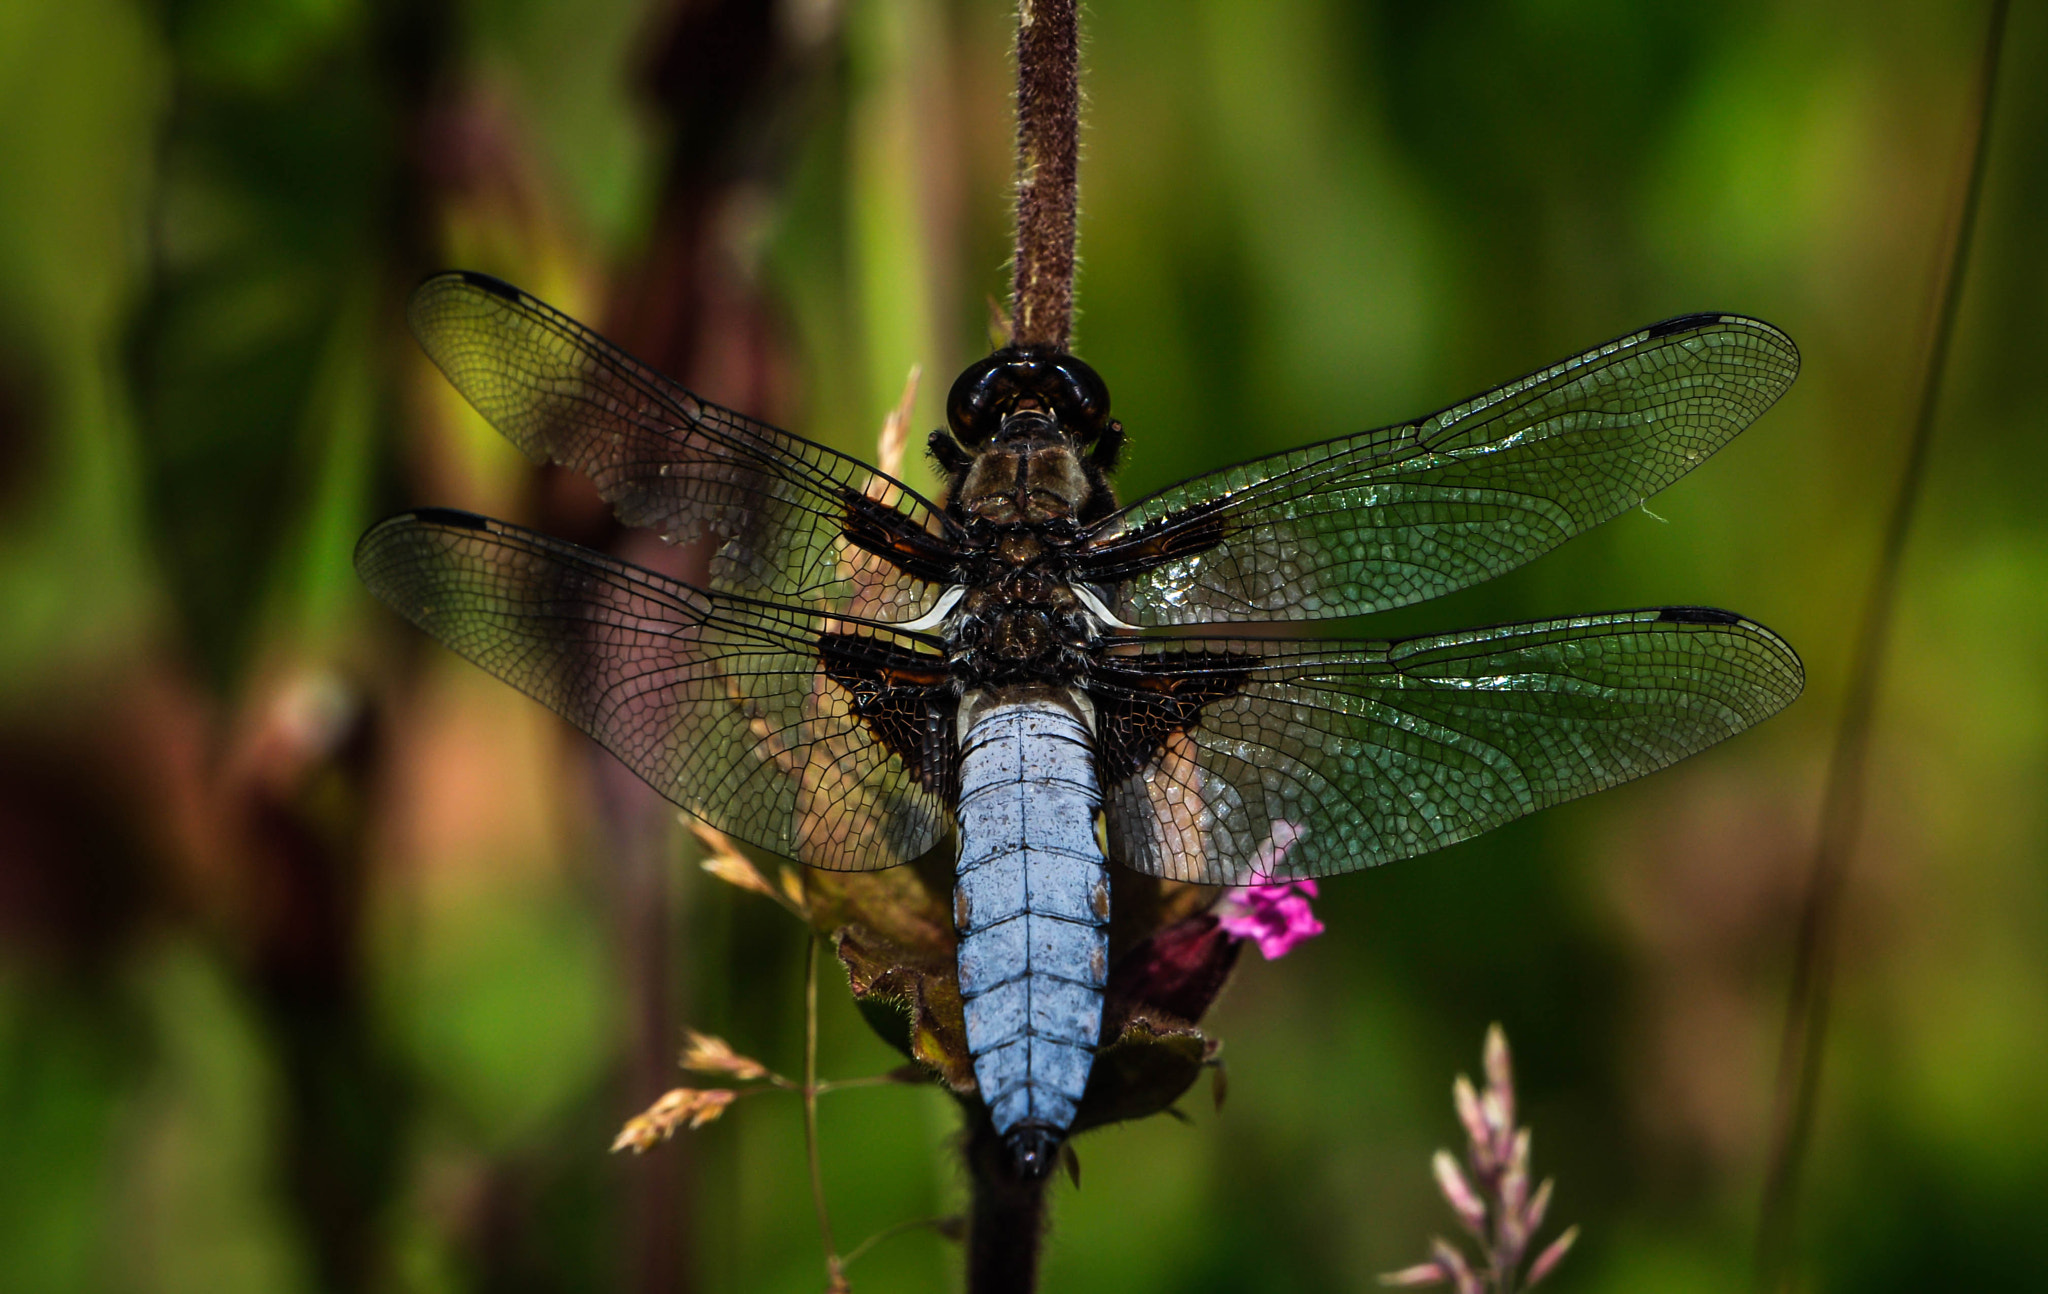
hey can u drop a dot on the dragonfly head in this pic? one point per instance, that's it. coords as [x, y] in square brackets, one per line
[1032, 440]
[1030, 392]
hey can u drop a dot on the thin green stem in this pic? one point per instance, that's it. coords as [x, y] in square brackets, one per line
[1806, 1017]
[810, 1090]
[777, 1083]
[940, 1225]
[842, 1084]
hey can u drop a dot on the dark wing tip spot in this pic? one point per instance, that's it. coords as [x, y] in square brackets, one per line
[451, 517]
[1683, 323]
[496, 287]
[1699, 616]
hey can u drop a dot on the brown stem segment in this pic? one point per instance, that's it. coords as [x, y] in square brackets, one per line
[1806, 1017]
[1006, 1222]
[1048, 149]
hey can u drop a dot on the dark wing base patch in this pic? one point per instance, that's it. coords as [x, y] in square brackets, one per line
[905, 700]
[1194, 530]
[1142, 702]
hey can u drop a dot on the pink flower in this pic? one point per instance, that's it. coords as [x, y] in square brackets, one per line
[1277, 915]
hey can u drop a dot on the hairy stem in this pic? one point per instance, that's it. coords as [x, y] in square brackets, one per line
[1806, 1016]
[1006, 1218]
[1048, 147]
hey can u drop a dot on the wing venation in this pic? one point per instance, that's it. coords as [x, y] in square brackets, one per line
[1242, 759]
[719, 702]
[779, 505]
[1406, 513]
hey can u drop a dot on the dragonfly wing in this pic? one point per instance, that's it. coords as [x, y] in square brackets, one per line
[1406, 513]
[827, 741]
[784, 509]
[1229, 761]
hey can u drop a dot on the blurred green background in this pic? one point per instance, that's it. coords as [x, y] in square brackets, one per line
[329, 963]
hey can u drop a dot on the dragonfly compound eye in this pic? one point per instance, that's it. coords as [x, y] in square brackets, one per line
[1015, 379]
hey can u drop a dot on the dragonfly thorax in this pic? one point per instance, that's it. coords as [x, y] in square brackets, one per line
[1025, 627]
[1035, 478]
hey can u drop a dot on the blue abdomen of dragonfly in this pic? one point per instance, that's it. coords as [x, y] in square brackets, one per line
[1032, 906]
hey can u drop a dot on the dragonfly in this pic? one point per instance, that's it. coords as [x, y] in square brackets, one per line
[1041, 679]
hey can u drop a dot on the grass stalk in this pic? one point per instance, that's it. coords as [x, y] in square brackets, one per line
[1810, 999]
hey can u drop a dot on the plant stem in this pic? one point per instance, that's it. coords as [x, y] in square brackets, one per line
[811, 1098]
[842, 1084]
[1048, 148]
[1806, 1017]
[943, 1225]
[1006, 1218]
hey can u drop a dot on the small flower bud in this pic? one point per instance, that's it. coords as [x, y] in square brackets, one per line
[1471, 1210]
[1514, 1183]
[711, 1103]
[1500, 1140]
[896, 432]
[1547, 1261]
[793, 890]
[677, 1107]
[1272, 914]
[1512, 1240]
[727, 863]
[734, 870]
[1539, 1204]
[1463, 1278]
[1496, 1117]
[1511, 1244]
[1500, 1074]
[1419, 1274]
[705, 1054]
[1474, 1120]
